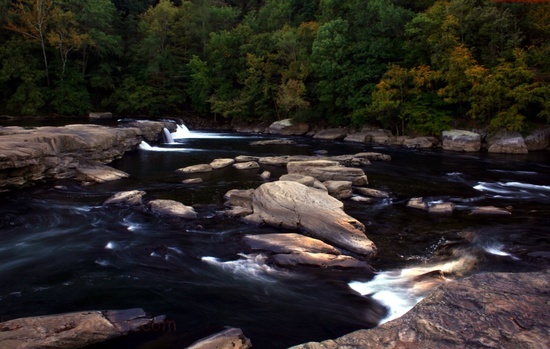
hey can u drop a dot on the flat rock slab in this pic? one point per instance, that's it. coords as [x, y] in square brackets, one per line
[131, 198]
[417, 203]
[250, 165]
[288, 243]
[72, 330]
[172, 208]
[221, 163]
[444, 207]
[274, 142]
[99, 174]
[321, 260]
[325, 170]
[490, 210]
[200, 168]
[331, 134]
[488, 310]
[373, 193]
[339, 189]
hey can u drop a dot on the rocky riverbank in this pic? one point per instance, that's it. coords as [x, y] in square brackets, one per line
[29, 155]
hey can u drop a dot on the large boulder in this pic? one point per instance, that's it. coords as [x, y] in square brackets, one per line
[507, 143]
[460, 140]
[358, 137]
[339, 189]
[172, 208]
[152, 130]
[292, 205]
[288, 128]
[487, 310]
[325, 170]
[74, 330]
[538, 140]
[232, 338]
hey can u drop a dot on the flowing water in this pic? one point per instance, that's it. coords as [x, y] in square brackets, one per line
[61, 250]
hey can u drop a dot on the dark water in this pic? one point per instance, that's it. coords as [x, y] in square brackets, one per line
[61, 251]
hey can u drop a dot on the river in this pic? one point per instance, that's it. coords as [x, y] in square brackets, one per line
[61, 250]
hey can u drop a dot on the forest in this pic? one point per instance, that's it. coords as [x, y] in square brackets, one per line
[415, 67]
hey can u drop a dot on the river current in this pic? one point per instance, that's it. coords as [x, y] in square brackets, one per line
[61, 250]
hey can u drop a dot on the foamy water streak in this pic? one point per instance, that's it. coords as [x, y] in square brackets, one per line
[250, 266]
[147, 147]
[514, 189]
[400, 290]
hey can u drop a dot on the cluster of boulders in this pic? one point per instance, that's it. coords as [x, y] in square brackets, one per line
[72, 151]
[453, 140]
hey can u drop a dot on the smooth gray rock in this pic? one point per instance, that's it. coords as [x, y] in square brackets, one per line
[287, 128]
[444, 207]
[373, 193]
[507, 143]
[538, 140]
[100, 116]
[461, 140]
[132, 198]
[273, 142]
[417, 203]
[239, 198]
[99, 174]
[331, 134]
[192, 181]
[246, 158]
[288, 243]
[339, 189]
[221, 163]
[172, 208]
[419, 143]
[250, 165]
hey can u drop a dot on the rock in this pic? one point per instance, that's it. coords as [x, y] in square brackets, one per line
[239, 197]
[444, 207]
[460, 140]
[308, 181]
[417, 203]
[373, 156]
[239, 212]
[201, 168]
[287, 128]
[507, 143]
[172, 208]
[292, 205]
[100, 116]
[251, 165]
[99, 174]
[283, 160]
[420, 143]
[538, 140]
[74, 330]
[321, 260]
[246, 158]
[399, 140]
[490, 210]
[377, 136]
[373, 193]
[358, 137]
[487, 310]
[274, 142]
[131, 198]
[192, 181]
[331, 134]
[339, 189]
[325, 170]
[152, 130]
[221, 163]
[265, 175]
[288, 243]
[29, 155]
[358, 198]
[232, 338]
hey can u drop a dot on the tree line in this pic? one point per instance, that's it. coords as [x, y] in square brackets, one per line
[411, 66]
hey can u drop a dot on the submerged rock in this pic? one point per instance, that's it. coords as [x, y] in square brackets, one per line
[321, 260]
[274, 142]
[73, 330]
[232, 338]
[292, 205]
[490, 210]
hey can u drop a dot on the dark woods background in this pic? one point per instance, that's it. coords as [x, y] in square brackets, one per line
[412, 66]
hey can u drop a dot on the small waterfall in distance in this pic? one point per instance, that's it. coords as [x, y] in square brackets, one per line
[168, 139]
[181, 132]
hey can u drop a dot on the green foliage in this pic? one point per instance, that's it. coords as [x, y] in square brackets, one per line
[70, 96]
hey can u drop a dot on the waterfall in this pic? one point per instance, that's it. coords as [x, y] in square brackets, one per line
[181, 132]
[168, 139]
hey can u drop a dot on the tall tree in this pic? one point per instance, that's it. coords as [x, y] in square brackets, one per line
[31, 18]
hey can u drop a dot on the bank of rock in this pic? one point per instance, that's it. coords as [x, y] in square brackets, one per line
[74, 330]
[488, 310]
[29, 155]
